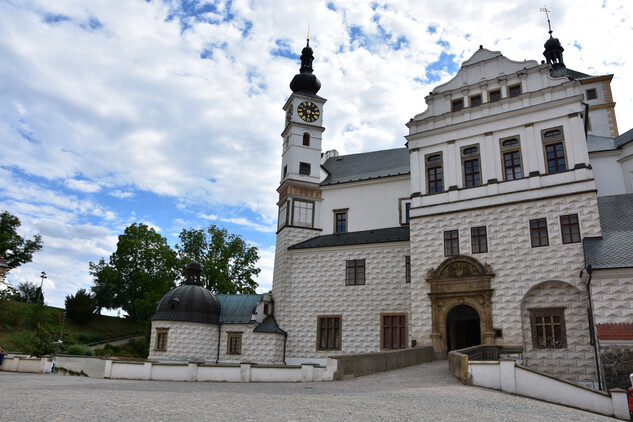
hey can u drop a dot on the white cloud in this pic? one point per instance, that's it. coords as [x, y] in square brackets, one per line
[82, 185]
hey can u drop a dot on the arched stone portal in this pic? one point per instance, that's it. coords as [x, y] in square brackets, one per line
[458, 281]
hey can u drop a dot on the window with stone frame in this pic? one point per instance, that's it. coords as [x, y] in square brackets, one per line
[304, 168]
[282, 219]
[434, 175]
[538, 232]
[475, 100]
[471, 166]
[478, 239]
[407, 269]
[306, 139]
[329, 332]
[592, 94]
[494, 96]
[355, 272]
[511, 157]
[161, 339]
[340, 221]
[234, 343]
[548, 328]
[393, 331]
[570, 229]
[457, 105]
[451, 243]
[554, 149]
[514, 90]
[404, 211]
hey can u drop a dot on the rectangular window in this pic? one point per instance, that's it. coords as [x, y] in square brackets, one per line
[283, 215]
[451, 243]
[494, 96]
[570, 228]
[266, 308]
[355, 272]
[161, 339]
[538, 232]
[514, 90]
[554, 148]
[435, 180]
[478, 239]
[548, 328]
[407, 211]
[475, 100]
[512, 165]
[457, 105]
[340, 221]
[404, 210]
[407, 269]
[394, 331]
[303, 213]
[329, 332]
[304, 168]
[306, 139]
[472, 177]
[592, 94]
[234, 343]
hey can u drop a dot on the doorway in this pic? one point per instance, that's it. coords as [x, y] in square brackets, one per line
[463, 328]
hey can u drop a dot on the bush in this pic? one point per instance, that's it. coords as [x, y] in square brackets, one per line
[81, 307]
[80, 350]
[42, 343]
[91, 338]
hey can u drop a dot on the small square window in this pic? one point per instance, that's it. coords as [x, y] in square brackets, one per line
[570, 228]
[538, 232]
[407, 269]
[304, 168]
[478, 239]
[451, 243]
[234, 343]
[494, 96]
[548, 328]
[475, 100]
[592, 94]
[457, 105]
[514, 90]
[355, 272]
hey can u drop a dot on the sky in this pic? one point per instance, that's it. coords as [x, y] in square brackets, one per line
[169, 113]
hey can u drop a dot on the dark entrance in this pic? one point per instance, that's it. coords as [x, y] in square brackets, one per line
[462, 328]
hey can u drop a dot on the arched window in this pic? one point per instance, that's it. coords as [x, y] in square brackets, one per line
[306, 139]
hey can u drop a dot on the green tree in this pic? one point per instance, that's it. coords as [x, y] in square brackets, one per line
[13, 247]
[139, 273]
[42, 343]
[29, 292]
[228, 262]
[80, 307]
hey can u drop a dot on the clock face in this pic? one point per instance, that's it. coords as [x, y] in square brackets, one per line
[308, 111]
[289, 115]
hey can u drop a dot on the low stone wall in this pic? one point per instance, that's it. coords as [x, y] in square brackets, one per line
[19, 363]
[350, 366]
[617, 363]
[458, 366]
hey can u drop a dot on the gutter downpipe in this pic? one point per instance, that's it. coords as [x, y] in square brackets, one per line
[592, 327]
[285, 341]
[217, 359]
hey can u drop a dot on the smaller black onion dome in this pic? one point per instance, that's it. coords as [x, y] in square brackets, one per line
[194, 271]
[552, 43]
[305, 81]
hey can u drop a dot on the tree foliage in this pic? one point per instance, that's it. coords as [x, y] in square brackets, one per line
[13, 247]
[42, 343]
[81, 307]
[29, 293]
[139, 273]
[228, 262]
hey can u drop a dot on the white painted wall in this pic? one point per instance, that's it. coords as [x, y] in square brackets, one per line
[608, 173]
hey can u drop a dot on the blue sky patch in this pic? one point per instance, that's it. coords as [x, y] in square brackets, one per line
[577, 45]
[446, 63]
[331, 6]
[283, 49]
[51, 18]
[431, 29]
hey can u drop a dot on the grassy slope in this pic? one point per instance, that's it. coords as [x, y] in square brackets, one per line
[18, 322]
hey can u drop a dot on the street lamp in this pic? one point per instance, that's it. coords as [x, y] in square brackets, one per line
[43, 275]
[58, 342]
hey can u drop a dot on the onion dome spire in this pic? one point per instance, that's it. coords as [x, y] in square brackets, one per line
[305, 81]
[554, 52]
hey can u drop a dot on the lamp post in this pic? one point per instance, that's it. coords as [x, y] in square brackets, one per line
[58, 342]
[43, 276]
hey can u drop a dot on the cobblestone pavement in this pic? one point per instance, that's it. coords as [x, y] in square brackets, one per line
[420, 393]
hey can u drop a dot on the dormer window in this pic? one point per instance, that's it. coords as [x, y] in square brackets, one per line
[173, 303]
[306, 139]
[457, 105]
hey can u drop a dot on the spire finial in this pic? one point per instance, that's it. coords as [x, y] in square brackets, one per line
[544, 9]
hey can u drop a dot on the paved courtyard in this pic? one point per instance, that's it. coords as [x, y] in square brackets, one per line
[420, 393]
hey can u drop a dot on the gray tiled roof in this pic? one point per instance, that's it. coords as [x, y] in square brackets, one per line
[365, 166]
[578, 75]
[600, 143]
[238, 309]
[624, 139]
[615, 248]
[392, 234]
[269, 325]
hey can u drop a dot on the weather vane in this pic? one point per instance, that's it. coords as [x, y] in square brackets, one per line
[308, 33]
[544, 9]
